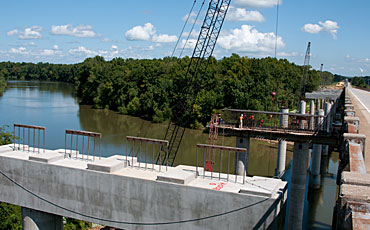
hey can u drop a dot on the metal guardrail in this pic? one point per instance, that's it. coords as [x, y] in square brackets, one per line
[213, 149]
[34, 134]
[146, 141]
[83, 134]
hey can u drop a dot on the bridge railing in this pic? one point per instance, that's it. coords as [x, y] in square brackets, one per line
[85, 146]
[143, 149]
[212, 157]
[251, 119]
[28, 135]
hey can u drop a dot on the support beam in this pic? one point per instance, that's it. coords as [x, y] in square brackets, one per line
[298, 186]
[38, 220]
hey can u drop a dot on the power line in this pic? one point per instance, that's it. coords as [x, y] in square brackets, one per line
[277, 23]
[127, 222]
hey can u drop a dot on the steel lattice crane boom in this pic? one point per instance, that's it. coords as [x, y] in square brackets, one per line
[203, 50]
[306, 67]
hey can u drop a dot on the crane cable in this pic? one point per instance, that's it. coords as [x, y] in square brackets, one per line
[191, 30]
[183, 28]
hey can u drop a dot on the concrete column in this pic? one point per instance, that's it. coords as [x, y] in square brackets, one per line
[312, 112]
[241, 162]
[38, 220]
[282, 144]
[325, 148]
[328, 116]
[298, 186]
[302, 110]
[315, 177]
[318, 104]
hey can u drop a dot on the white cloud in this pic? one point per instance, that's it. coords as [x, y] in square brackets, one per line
[312, 28]
[147, 33]
[32, 32]
[82, 51]
[164, 38]
[257, 3]
[248, 39]
[55, 47]
[286, 54]
[348, 56]
[82, 31]
[12, 32]
[188, 45]
[48, 52]
[20, 50]
[241, 14]
[140, 33]
[329, 26]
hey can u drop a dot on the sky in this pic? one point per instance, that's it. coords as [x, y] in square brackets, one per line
[70, 31]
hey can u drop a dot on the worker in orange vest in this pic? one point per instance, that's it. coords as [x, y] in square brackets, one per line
[241, 121]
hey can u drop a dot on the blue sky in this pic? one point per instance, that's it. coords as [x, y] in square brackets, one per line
[70, 31]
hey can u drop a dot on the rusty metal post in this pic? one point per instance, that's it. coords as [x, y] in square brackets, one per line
[196, 164]
[219, 173]
[71, 155]
[228, 166]
[44, 140]
[14, 137]
[88, 147]
[83, 145]
[34, 143]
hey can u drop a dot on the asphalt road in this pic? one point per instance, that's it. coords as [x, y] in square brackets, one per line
[364, 98]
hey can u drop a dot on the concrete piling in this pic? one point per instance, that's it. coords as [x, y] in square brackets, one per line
[241, 161]
[282, 144]
[298, 186]
[302, 110]
[312, 112]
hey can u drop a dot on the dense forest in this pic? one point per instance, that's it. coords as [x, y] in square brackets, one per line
[151, 88]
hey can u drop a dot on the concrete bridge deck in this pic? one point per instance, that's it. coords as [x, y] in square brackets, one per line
[119, 193]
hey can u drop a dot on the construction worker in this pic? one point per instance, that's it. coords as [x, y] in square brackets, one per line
[241, 121]
[252, 120]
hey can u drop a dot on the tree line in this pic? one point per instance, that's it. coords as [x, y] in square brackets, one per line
[151, 88]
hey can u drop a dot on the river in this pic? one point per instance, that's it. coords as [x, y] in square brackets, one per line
[54, 106]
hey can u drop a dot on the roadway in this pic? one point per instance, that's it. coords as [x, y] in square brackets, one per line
[361, 101]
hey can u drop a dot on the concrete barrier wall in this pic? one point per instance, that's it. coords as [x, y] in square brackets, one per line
[353, 205]
[113, 199]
